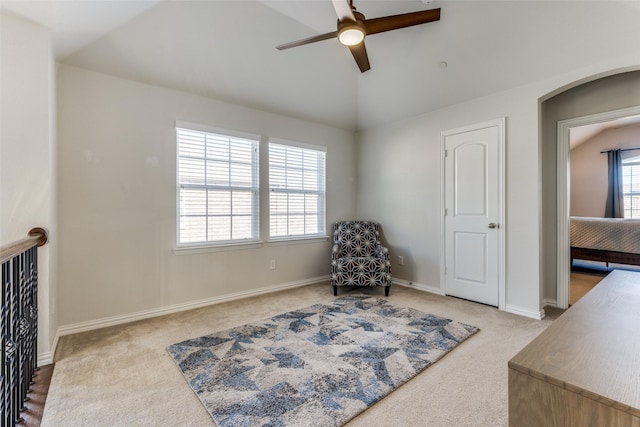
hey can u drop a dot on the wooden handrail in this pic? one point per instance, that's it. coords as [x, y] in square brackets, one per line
[19, 311]
[37, 236]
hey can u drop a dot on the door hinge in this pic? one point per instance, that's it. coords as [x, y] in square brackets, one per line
[446, 211]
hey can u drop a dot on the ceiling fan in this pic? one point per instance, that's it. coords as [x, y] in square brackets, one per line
[353, 27]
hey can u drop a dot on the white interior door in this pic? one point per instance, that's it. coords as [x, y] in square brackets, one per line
[473, 230]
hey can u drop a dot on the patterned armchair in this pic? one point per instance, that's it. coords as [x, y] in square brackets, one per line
[358, 258]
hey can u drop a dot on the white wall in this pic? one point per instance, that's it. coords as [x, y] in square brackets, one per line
[117, 200]
[589, 170]
[400, 186]
[27, 197]
[399, 181]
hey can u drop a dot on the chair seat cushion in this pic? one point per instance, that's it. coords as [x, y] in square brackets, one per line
[354, 264]
[360, 271]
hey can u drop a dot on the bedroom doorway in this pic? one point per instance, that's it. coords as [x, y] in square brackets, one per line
[567, 128]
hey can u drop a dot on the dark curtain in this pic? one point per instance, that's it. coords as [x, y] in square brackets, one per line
[615, 199]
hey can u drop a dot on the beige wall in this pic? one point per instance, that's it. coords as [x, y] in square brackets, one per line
[27, 190]
[589, 171]
[117, 200]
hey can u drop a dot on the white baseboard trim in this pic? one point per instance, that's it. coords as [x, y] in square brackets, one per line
[170, 309]
[419, 286]
[550, 302]
[538, 315]
[45, 358]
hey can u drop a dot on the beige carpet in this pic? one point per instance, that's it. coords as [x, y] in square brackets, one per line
[122, 376]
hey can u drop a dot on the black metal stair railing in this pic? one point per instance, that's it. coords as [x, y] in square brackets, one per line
[19, 327]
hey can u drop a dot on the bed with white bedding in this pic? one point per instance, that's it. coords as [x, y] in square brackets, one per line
[614, 240]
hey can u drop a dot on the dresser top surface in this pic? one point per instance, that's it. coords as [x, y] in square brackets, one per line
[594, 347]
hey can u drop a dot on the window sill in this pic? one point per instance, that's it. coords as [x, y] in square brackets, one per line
[203, 249]
[296, 240]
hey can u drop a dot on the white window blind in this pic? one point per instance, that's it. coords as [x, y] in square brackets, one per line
[218, 188]
[297, 191]
[631, 187]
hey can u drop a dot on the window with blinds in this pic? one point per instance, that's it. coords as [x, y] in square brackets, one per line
[217, 188]
[631, 187]
[296, 191]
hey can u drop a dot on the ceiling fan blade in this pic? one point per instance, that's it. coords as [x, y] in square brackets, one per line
[308, 40]
[394, 22]
[343, 10]
[359, 53]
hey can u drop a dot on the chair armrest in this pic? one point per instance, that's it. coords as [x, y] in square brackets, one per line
[334, 252]
[382, 252]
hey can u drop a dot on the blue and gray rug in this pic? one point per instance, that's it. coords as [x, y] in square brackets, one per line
[317, 366]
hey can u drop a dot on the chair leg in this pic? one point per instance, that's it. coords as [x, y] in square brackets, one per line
[335, 290]
[386, 291]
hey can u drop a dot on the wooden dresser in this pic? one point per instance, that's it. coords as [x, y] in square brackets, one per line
[584, 370]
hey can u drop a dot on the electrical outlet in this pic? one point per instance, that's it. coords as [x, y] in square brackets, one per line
[272, 264]
[400, 260]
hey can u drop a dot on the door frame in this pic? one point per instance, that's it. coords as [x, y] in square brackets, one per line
[500, 123]
[563, 248]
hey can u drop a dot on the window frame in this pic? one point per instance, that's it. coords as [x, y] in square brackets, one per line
[628, 163]
[321, 192]
[254, 189]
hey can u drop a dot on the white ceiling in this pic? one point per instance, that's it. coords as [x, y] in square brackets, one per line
[226, 49]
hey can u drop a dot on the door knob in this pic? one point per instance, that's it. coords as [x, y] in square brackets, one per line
[493, 225]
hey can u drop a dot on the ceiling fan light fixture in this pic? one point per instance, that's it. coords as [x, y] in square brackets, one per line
[353, 28]
[351, 33]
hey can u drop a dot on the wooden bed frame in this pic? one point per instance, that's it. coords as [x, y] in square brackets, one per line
[604, 256]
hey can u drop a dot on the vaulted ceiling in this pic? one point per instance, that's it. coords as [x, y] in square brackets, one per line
[226, 50]
[581, 134]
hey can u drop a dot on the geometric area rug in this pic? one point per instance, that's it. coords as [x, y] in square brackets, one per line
[316, 366]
